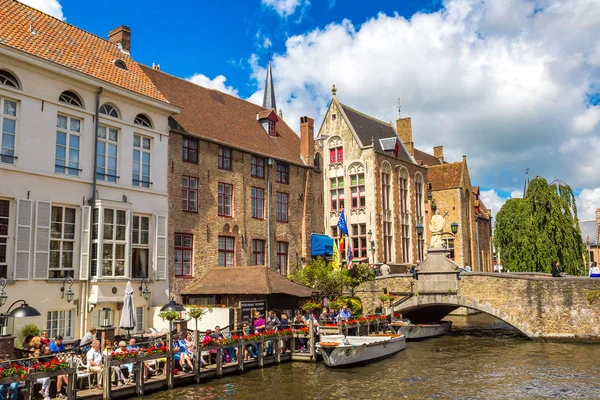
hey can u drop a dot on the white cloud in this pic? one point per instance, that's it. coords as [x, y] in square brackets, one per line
[217, 83]
[494, 201]
[504, 82]
[587, 202]
[267, 43]
[51, 7]
[286, 8]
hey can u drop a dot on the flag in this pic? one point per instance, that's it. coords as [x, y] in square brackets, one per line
[336, 254]
[342, 224]
[342, 248]
[350, 255]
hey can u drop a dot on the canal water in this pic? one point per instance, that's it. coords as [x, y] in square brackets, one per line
[481, 359]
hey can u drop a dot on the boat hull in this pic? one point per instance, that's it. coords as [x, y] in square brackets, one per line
[418, 332]
[360, 350]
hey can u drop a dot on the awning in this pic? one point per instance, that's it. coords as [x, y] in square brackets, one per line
[322, 245]
[246, 280]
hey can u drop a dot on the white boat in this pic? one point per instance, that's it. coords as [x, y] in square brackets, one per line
[421, 331]
[342, 351]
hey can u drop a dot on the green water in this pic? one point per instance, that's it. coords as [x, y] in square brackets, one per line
[481, 359]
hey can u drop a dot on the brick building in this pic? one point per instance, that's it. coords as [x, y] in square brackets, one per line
[241, 183]
[456, 199]
[590, 232]
[370, 174]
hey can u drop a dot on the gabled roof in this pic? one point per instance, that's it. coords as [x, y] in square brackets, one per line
[426, 159]
[26, 29]
[246, 280]
[371, 130]
[445, 176]
[226, 119]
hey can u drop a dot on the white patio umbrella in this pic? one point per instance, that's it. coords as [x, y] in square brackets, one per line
[128, 312]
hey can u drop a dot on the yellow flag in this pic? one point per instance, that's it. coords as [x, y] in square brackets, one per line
[336, 253]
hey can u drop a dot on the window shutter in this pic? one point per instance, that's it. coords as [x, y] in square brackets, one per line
[41, 258]
[128, 236]
[23, 239]
[84, 266]
[161, 247]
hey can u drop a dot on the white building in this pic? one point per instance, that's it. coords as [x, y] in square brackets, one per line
[58, 85]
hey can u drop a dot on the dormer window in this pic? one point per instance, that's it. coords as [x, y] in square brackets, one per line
[272, 131]
[120, 64]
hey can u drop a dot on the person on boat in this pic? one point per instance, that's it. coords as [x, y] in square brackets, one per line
[556, 272]
[594, 270]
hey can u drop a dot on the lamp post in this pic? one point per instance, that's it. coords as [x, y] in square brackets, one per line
[454, 228]
[171, 306]
[69, 292]
[7, 318]
[107, 317]
[145, 293]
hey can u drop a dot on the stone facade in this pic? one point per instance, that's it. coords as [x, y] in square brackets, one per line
[535, 304]
[367, 157]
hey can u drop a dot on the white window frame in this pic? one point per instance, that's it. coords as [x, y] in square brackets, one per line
[141, 151]
[137, 243]
[139, 319]
[68, 167]
[104, 174]
[98, 242]
[64, 321]
[61, 240]
[7, 155]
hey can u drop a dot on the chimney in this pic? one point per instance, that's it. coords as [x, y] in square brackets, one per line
[438, 152]
[121, 37]
[307, 139]
[404, 128]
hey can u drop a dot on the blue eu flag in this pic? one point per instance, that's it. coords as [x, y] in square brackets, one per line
[342, 224]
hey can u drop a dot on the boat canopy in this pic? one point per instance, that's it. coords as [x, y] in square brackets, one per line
[322, 245]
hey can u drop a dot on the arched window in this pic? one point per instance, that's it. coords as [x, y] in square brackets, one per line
[386, 206]
[336, 150]
[404, 215]
[419, 205]
[143, 120]
[8, 79]
[70, 98]
[120, 64]
[109, 110]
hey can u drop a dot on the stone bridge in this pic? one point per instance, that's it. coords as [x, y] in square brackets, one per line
[536, 304]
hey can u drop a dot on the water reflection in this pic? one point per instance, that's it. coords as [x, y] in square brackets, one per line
[481, 359]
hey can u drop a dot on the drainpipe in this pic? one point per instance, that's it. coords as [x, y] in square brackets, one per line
[93, 198]
[269, 163]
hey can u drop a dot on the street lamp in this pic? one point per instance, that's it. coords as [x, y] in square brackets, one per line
[146, 292]
[7, 318]
[69, 292]
[173, 306]
[454, 228]
[419, 229]
[3, 295]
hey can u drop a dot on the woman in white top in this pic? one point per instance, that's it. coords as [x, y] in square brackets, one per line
[594, 270]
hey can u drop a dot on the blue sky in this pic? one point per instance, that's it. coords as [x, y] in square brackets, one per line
[211, 39]
[512, 84]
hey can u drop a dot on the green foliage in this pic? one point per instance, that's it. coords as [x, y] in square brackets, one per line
[533, 232]
[355, 305]
[197, 312]
[358, 274]
[169, 315]
[310, 306]
[29, 330]
[383, 298]
[320, 275]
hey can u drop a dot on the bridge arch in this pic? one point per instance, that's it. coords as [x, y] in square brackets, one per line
[424, 309]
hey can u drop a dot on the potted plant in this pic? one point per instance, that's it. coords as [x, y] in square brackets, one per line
[197, 312]
[169, 315]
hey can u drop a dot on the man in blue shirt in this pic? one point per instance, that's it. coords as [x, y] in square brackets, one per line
[345, 313]
[57, 345]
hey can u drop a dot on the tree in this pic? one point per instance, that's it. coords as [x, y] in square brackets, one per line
[534, 232]
[321, 276]
[358, 274]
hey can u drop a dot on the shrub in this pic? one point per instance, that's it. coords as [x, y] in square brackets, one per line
[355, 305]
[29, 330]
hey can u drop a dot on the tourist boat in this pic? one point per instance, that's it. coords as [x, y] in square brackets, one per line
[343, 351]
[421, 331]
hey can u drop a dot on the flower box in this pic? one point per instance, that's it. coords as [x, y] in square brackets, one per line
[49, 374]
[132, 360]
[11, 379]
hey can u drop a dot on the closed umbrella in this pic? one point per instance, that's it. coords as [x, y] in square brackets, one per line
[128, 313]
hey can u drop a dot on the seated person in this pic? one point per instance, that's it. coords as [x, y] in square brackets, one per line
[180, 353]
[57, 345]
[95, 361]
[594, 270]
[44, 338]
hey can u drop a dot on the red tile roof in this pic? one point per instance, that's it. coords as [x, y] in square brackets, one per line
[425, 158]
[445, 176]
[32, 31]
[219, 117]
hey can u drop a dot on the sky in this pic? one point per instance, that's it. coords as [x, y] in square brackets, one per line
[513, 84]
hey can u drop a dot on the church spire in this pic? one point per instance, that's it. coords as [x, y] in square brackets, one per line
[269, 98]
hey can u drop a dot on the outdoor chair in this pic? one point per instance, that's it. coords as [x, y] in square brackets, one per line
[83, 371]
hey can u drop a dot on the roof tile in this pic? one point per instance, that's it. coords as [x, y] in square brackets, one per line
[445, 176]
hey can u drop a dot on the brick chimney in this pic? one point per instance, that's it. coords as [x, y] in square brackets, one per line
[404, 128]
[438, 152]
[307, 139]
[121, 37]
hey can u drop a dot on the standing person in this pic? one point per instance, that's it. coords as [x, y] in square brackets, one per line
[44, 338]
[324, 317]
[259, 323]
[556, 272]
[273, 323]
[384, 269]
[299, 323]
[467, 267]
[285, 324]
[95, 361]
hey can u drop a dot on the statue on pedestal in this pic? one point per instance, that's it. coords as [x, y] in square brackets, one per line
[436, 226]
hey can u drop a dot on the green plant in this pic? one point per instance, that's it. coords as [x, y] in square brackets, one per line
[391, 299]
[29, 330]
[169, 315]
[359, 273]
[355, 305]
[320, 275]
[310, 306]
[197, 312]
[383, 298]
